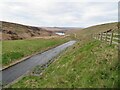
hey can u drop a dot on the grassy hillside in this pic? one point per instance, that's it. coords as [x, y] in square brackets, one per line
[13, 50]
[14, 31]
[85, 65]
[86, 32]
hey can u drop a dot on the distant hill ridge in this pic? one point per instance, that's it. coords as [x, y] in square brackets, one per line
[14, 31]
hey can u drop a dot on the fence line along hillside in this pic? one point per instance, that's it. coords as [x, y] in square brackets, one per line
[109, 36]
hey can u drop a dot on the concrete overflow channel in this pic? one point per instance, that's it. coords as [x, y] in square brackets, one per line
[14, 72]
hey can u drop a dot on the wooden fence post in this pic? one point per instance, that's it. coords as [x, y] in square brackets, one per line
[111, 38]
[106, 37]
[101, 36]
[98, 36]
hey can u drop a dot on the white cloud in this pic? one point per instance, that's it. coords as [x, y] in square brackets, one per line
[80, 13]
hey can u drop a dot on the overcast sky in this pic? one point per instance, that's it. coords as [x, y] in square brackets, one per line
[59, 13]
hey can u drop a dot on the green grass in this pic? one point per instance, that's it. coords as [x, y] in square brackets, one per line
[16, 49]
[85, 65]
